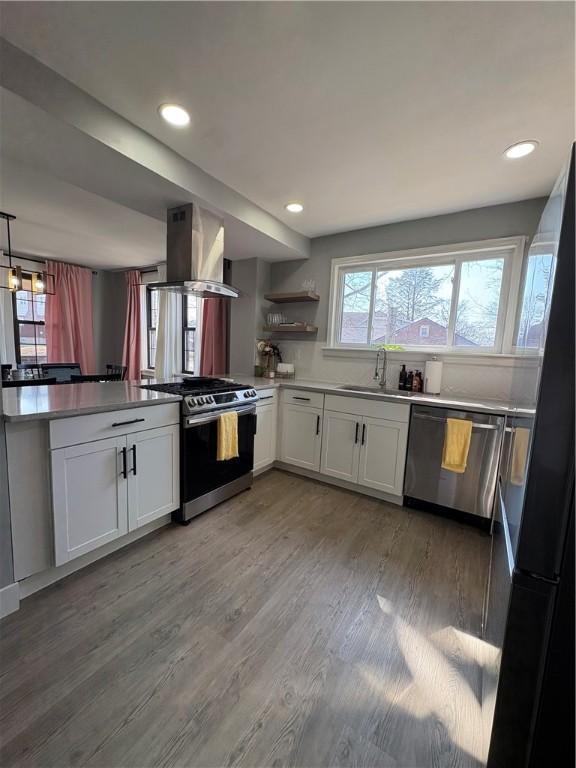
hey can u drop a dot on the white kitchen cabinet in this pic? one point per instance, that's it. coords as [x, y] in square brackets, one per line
[265, 438]
[341, 445]
[301, 436]
[383, 454]
[90, 497]
[103, 489]
[359, 446]
[153, 474]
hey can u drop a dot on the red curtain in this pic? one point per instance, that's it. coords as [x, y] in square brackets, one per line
[213, 358]
[69, 316]
[131, 353]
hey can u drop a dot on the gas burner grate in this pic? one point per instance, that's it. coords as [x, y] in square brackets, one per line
[196, 386]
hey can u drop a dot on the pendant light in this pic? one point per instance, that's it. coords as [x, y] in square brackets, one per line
[13, 281]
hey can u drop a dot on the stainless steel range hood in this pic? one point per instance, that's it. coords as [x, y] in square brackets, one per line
[195, 254]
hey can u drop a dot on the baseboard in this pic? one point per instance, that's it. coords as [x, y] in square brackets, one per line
[50, 576]
[362, 489]
[261, 471]
[9, 599]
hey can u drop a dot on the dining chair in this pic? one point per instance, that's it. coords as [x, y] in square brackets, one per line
[34, 368]
[62, 371]
[113, 368]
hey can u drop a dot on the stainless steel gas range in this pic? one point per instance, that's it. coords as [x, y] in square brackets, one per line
[204, 481]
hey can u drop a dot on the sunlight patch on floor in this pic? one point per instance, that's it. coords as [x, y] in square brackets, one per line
[438, 687]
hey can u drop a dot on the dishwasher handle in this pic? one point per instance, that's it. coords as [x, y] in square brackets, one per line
[475, 424]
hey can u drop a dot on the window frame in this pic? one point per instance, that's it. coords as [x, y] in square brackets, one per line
[186, 327]
[149, 326]
[542, 245]
[17, 322]
[511, 248]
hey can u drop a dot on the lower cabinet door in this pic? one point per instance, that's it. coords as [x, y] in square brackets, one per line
[89, 496]
[153, 474]
[301, 436]
[383, 455]
[265, 438]
[341, 445]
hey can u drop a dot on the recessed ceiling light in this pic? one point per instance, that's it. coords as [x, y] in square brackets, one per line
[174, 114]
[294, 207]
[521, 149]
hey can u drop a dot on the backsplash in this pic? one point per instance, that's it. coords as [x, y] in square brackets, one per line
[487, 377]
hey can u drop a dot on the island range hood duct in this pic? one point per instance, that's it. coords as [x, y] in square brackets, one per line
[195, 254]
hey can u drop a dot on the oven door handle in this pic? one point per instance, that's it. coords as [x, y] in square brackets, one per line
[198, 421]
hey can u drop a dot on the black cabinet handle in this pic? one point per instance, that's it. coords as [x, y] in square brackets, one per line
[295, 397]
[317, 425]
[124, 468]
[356, 434]
[363, 433]
[133, 449]
[269, 397]
[123, 423]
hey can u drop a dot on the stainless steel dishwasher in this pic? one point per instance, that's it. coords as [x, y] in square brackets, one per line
[473, 490]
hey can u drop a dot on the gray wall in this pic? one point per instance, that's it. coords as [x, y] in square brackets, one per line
[109, 297]
[6, 569]
[477, 224]
[247, 312]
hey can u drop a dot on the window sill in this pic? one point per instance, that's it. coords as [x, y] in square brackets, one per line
[473, 358]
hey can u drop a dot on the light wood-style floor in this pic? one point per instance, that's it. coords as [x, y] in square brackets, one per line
[295, 625]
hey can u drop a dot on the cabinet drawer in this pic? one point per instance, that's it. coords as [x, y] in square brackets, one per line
[97, 426]
[378, 409]
[303, 397]
[266, 397]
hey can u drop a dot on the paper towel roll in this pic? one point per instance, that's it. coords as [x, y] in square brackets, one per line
[433, 377]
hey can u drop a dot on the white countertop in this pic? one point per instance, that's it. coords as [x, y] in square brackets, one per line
[65, 400]
[57, 401]
[481, 405]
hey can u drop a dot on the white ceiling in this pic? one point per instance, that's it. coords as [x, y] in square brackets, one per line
[367, 112]
[79, 201]
[57, 219]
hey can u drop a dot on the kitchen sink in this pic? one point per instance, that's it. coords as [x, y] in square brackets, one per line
[376, 390]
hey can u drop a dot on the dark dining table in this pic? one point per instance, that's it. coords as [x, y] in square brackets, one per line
[37, 381]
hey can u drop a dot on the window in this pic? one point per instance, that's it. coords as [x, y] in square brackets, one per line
[190, 317]
[452, 298]
[29, 327]
[538, 283]
[190, 310]
[151, 325]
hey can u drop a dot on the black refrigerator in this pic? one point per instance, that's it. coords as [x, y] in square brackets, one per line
[528, 680]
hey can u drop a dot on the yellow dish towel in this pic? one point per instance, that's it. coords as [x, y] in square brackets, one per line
[519, 455]
[227, 436]
[456, 445]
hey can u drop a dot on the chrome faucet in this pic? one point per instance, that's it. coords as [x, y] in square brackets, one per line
[381, 375]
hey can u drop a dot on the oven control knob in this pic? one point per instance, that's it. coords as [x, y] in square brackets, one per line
[210, 399]
[200, 401]
[191, 402]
